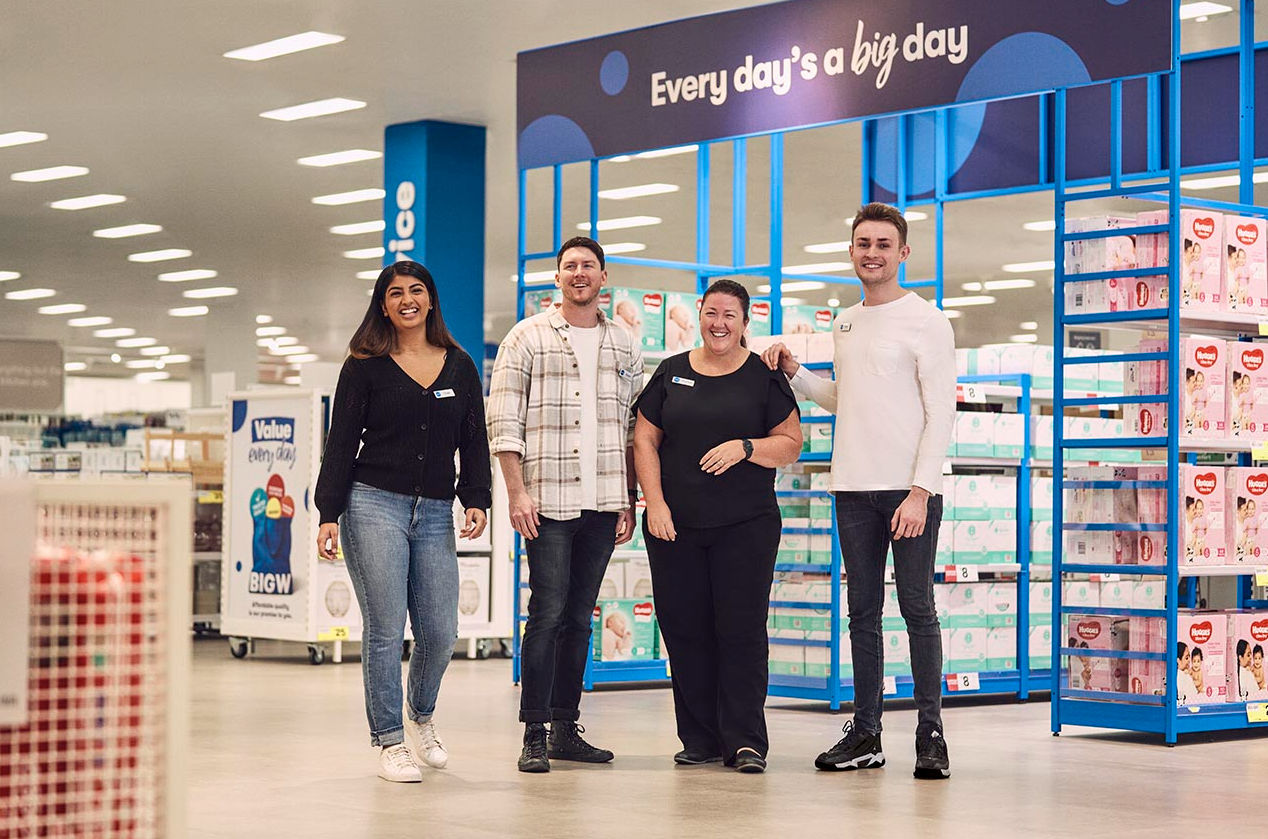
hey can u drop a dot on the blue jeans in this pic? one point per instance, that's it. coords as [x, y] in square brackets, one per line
[565, 569]
[402, 559]
[863, 520]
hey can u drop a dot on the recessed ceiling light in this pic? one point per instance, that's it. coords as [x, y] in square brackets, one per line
[1006, 285]
[828, 247]
[1028, 267]
[369, 275]
[5, 276]
[354, 197]
[915, 215]
[294, 350]
[953, 314]
[87, 202]
[1200, 11]
[135, 342]
[177, 358]
[1024, 338]
[18, 138]
[338, 158]
[114, 332]
[52, 173]
[153, 376]
[160, 255]
[1029, 325]
[284, 46]
[793, 301]
[622, 223]
[63, 309]
[975, 300]
[185, 276]
[115, 357]
[308, 110]
[537, 276]
[302, 358]
[127, 230]
[266, 331]
[188, 311]
[263, 318]
[971, 286]
[817, 268]
[96, 320]
[833, 302]
[29, 294]
[795, 285]
[1220, 181]
[207, 293]
[74, 366]
[622, 193]
[358, 227]
[365, 253]
[155, 350]
[1044, 226]
[624, 247]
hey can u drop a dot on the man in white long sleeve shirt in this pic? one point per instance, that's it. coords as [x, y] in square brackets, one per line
[894, 397]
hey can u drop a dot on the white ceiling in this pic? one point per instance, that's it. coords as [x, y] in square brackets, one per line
[140, 94]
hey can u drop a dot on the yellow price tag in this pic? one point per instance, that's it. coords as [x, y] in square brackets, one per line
[335, 633]
[1257, 712]
[1263, 327]
[1261, 576]
[211, 496]
[1259, 452]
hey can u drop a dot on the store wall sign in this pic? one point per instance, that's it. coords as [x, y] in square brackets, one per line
[807, 62]
[31, 376]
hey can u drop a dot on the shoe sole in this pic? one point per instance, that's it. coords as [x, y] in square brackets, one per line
[751, 768]
[686, 761]
[576, 759]
[926, 774]
[874, 761]
[535, 768]
[417, 780]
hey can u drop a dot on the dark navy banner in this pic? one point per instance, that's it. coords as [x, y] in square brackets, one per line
[807, 62]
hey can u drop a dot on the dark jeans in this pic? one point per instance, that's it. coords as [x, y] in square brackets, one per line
[863, 524]
[566, 563]
[712, 593]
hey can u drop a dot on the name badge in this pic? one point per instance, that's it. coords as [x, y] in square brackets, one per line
[446, 393]
[679, 380]
[628, 374]
[844, 327]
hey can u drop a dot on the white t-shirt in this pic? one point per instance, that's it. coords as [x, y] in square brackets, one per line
[894, 395]
[585, 345]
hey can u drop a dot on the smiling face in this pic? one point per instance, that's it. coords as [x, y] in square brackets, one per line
[406, 302]
[579, 277]
[722, 323]
[877, 253]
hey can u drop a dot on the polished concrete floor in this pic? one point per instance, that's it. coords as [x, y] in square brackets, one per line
[279, 749]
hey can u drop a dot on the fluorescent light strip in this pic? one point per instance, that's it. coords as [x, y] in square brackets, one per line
[1220, 181]
[74, 366]
[184, 276]
[794, 285]
[176, 358]
[817, 268]
[622, 223]
[617, 248]
[1008, 285]
[1028, 267]
[129, 343]
[1045, 226]
[915, 215]
[284, 46]
[308, 110]
[1024, 338]
[293, 350]
[19, 138]
[160, 255]
[971, 286]
[338, 158]
[302, 358]
[155, 350]
[267, 331]
[63, 309]
[89, 321]
[828, 247]
[539, 276]
[365, 253]
[52, 173]
[1202, 10]
[1029, 325]
[188, 311]
[953, 314]
[263, 318]
[973, 300]
[359, 227]
[114, 332]
[5, 276]
[793, 301]
[208, 293]
[154, 376]
[369, 275]
[30, 294]
[355, 196]
[87, 202]
[625, 192]
[670, 152]
[127, 230]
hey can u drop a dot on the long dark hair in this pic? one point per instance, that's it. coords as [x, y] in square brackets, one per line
[732, 289]
[376, 336]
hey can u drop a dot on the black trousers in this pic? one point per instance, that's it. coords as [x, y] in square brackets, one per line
[712, 588]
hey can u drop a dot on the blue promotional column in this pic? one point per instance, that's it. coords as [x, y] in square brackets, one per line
[433, 176]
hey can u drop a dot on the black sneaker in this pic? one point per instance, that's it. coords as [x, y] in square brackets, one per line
[566, 744]
[749, 762]
[533, 757]
[932, 762]
[694, 757]
[855, 750]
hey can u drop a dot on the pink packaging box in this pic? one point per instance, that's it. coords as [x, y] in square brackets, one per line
[1245, 264]
[1151, 503]
[1202, 678]
[1146, 378]
[1202, 243]
[1147, 635]
[1202, 509]
[1244, 657]
[1247, 390]
[1084, 256]
[1151, 548]
[1247, 514]
[1097, 632]
[1204, 383]
[1151, 252]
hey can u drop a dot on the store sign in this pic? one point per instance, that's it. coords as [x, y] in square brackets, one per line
[30, 375]
[808, 62]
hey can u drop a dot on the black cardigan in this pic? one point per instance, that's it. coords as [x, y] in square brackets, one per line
[407, 434]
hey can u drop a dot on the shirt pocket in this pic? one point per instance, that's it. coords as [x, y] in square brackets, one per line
[884, 358]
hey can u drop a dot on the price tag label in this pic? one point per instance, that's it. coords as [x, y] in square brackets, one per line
[1104, 578]
[891, 686]
[1261, 576]
[1259, 451]
[1257, 712]
[973, 393]
[961, 573]
[963, 682]
[1263, 327]
[335, 633]
[211, 496]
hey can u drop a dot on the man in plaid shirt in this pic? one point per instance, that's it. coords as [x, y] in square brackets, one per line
[561, 425]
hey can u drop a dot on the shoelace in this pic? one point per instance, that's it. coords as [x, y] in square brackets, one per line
[848, 731]
[427, 734]
[536, 747]
[398, 756]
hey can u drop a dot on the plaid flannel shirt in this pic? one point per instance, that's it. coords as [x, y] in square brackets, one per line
[534, 412]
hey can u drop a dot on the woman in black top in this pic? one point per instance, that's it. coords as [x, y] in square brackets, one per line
[408, 398]
[713, 424]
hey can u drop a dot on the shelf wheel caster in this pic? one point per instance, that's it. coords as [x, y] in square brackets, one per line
[239, 647]
[316, 654]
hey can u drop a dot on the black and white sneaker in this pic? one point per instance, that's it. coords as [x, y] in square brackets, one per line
[855, 750]
[566, 743]
[932, 762]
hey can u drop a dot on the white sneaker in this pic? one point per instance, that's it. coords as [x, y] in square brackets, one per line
[397, 765]
[424, 745]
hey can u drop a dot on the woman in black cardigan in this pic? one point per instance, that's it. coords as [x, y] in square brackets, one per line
[408, 399]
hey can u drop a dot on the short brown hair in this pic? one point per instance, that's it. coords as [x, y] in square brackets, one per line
[582, 242]
[876, 211]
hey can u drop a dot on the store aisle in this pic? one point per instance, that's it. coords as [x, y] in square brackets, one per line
[279, 750]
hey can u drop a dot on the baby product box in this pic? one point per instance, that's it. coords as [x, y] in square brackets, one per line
[1149, 594]
[628, 630]
[966, 604]
[897, 652]
[1244, 656]
[982, 361]
[1041, 499]
[1151, 501]
[1247, 390]
[971, 501]
[642, 312]
[786, 660]
[759, 318]
[1202, 677]
[1117, 594]
[1203, 383]
[1001, 648]
[803, 320]
[966, 650]
[1089, 547]
[1083, 256]
[1080, 593]
[820, 348]
[946, 544]
[1010, 436]
[638, 577]
[1097, 632]
[1041, 371]
[1041, 433]
[974, 434]
[1000, 541]
[1041, 602]
[541, 301]
[971, 541]
[613, 585]
[1245, 264]
[682, 321]
[1147, 635]
[1151, 252]
[1040, 647]
[1201, 246]
[1001, 608]
[1146, 378]
[1203, 514]
[821, 437]
[1151, 548]
[1246, 508]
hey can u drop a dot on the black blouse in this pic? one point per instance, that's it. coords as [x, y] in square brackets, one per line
[696, 413]
[407, 434]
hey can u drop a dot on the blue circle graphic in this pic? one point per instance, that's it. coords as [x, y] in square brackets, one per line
[1023, 63]
[964, 124]
[614, 73]
[553, 139]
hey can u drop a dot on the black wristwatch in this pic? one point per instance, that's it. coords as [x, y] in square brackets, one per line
[748, 448]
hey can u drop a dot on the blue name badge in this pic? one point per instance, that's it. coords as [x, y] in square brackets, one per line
[446, 393]
[679, 380]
